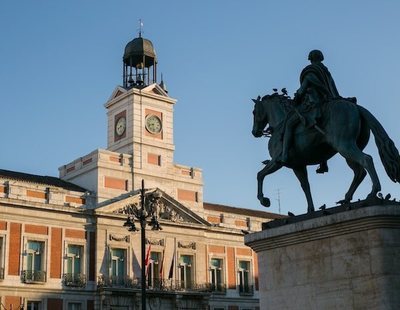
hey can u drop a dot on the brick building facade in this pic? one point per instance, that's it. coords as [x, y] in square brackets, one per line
[62, 240]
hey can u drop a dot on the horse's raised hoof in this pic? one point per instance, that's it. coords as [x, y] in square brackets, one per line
[265, 202]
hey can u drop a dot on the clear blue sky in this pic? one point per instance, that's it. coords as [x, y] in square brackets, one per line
[60, 61]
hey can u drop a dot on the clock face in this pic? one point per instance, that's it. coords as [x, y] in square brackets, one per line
[153, 124]
[120, 126]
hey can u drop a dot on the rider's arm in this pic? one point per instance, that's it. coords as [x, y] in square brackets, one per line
[309, 80]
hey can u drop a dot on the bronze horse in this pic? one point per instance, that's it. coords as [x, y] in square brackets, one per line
[345, 130]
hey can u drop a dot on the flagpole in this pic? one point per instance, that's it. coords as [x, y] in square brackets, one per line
[143, 246]
[161, 274]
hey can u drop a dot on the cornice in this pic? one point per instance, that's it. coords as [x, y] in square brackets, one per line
[364, 219]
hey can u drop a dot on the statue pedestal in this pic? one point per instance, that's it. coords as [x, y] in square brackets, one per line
[347, 260]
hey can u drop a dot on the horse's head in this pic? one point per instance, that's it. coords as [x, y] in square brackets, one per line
[260, 117]
[270, 109]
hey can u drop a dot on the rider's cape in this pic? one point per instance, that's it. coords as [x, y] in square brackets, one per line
[323, 82]
[322, 87]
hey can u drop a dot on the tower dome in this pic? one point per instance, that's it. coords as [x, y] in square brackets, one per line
[139, 48]
[139, 57]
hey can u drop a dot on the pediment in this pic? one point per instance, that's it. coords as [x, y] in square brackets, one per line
[168, 209]
[118, 91]
[155, 89]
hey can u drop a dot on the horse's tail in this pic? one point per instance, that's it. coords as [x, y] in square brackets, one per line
[387, 150]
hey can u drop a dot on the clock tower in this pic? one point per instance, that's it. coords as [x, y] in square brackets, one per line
[140, 113]
[140, 141]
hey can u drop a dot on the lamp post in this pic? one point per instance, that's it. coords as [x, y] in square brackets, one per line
[148, 208]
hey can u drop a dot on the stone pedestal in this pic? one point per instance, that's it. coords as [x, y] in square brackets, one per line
[347, 260]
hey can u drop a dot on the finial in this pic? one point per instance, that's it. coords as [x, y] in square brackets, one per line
[163, 85]
[140, 28]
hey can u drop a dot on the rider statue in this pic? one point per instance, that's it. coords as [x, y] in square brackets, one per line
[316, 88]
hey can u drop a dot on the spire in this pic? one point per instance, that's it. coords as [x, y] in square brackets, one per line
[163, 85]
[140, 27]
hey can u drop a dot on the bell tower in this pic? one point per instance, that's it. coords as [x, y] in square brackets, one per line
[140, 112]
[139, 63]
[140, 137]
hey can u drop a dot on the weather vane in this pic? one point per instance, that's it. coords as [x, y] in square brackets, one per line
[140, 28]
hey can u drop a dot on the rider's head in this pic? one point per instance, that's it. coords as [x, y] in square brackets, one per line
[315, 56]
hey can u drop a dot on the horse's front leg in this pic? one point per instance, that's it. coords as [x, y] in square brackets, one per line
[301, 174]
[270, 167]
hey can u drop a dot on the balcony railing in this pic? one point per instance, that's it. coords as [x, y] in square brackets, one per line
[1, 273]
[155, 285]
[33, 276]
[218, 288]
[246, 290]
[74, 279]
[176, 285]
[116, 281]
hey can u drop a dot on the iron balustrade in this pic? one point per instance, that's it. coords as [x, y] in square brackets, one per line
[117, 281]
[217, 288]
[33, 276]
[179, 286]
[168, 285]
[74, 279]
[1, 273]
[246, 290]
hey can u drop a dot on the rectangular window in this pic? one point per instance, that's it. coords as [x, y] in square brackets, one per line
[216, 277]
[118, 266]
[34, 305]
[34, 267]
[186, 271]
[153, 270]
[74, 306]
[245, 288]
[74, 266]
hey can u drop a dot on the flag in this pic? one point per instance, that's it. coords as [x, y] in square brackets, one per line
[171, 269]
[162, 265]
[147, 261]
[148, 267]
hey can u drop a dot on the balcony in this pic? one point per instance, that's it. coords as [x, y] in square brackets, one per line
[246, 290]
[117, 281]
[167, 285]
[218, 288]
[177, 286]
[33, 276]
[1, 273]
[74, 279]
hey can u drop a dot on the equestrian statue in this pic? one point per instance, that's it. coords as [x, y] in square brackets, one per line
[315, 125]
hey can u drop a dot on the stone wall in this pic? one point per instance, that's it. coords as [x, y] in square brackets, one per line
[348, 260]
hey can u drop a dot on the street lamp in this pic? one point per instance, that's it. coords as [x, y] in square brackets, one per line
[148, 208]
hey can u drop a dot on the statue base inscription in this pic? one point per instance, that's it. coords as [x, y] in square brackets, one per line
[345, 260]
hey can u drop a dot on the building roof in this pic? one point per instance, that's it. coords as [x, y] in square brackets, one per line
[139, 49]
[242, 211]
[45, 180]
